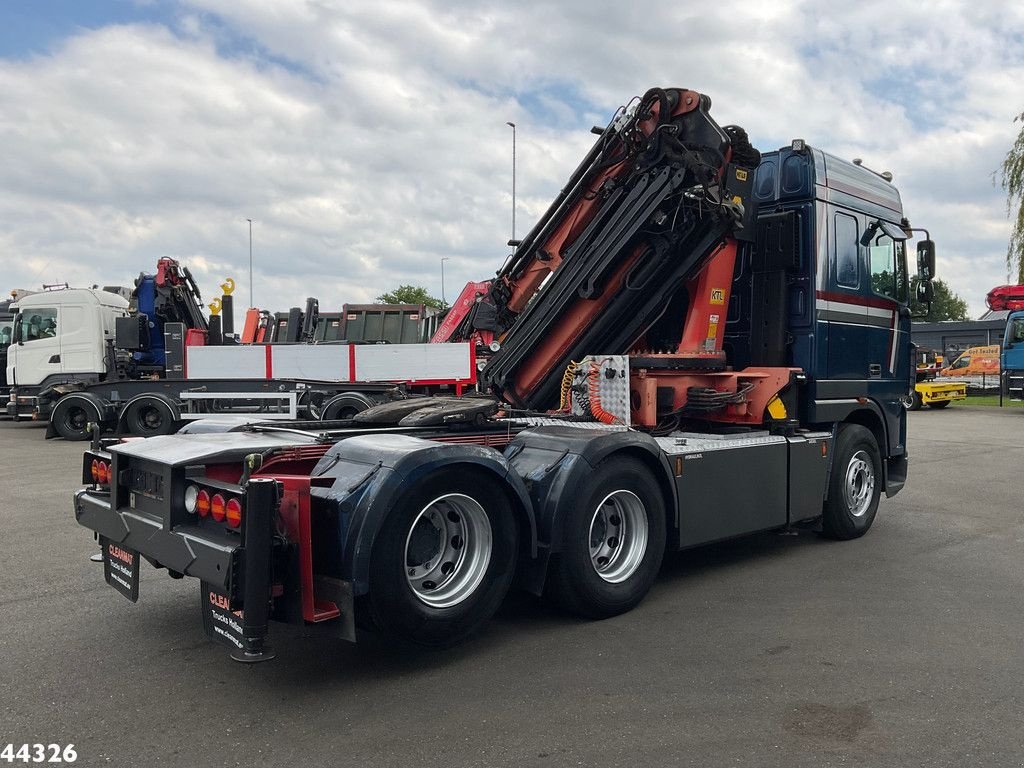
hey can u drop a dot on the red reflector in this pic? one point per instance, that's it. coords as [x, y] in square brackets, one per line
[203, 503]
[234, 513]
[217, 507]
[94, 470]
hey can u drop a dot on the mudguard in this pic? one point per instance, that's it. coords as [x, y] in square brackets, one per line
[370, 472]
[557, 463]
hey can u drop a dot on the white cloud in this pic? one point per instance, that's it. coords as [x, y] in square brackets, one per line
[367, 139]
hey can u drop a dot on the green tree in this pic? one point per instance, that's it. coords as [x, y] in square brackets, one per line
[946, 305]
[410, 294]
[1013, 185]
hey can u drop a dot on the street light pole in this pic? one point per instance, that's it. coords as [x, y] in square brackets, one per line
[251, 302]
[513, 126]
[443, 260]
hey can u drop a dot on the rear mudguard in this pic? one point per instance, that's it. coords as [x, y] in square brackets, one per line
[370, 472]
[557, 466]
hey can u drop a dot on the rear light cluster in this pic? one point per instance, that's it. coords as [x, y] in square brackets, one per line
[220, 506]
[101, 472]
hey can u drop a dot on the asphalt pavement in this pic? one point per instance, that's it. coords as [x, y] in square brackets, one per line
[902, 648]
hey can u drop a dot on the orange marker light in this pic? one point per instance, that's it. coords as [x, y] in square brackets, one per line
[234, 513]
[217, 509]
[203, 503]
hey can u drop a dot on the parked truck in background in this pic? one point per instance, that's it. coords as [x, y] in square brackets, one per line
[695, 342]
[145, 365]
[6, 333]
[1011, 355]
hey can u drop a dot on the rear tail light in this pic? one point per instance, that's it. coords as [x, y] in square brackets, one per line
[203, 503]
[191, 498]
[217, 507]
[233, 513]
[100, 472]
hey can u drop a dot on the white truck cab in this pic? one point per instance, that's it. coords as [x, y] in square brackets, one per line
[62, 332]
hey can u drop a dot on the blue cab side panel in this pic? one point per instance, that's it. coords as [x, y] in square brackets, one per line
[831, 319]
[1012, 357]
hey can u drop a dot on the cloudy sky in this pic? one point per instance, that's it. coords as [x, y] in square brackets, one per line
[368, 139]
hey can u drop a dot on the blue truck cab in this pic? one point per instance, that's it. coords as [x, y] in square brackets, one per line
[1011, 358]
[831, 249]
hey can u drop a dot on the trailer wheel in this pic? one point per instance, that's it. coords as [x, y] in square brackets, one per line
[613, 543]
[940, 404]
[915, 401]
[444, 559]
[149, 417]
[345, 406]
[72, 416]
[855, 485]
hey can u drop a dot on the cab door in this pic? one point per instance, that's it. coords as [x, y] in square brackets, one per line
[887, 297]
[842, 304]
[35, 353]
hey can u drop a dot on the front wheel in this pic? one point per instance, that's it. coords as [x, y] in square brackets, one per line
[613, 543]
[444, 559]
[915, 401]
[855, 485]
[73, 414]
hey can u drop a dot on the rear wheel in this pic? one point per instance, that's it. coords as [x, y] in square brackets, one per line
[345, 406]
[149, 417]
[940, 404]
[915, 401]
[614, 540]
[444, 559]
[855, 485]
[72, 415]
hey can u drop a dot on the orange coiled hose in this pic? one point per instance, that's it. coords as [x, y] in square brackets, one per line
[594, 391]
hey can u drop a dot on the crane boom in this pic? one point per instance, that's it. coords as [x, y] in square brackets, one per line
[660, 192]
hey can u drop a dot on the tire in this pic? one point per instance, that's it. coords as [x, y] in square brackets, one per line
[855, 485]
[597, 575]
[941, 404]
[428, 588]
[345, 406]
[72, 415]
[149, 417]
[915, 402]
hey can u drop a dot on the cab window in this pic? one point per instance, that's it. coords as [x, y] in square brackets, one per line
[1016, 334]
[888, 263]
[36, 323]
[847, 251]
[6, 332]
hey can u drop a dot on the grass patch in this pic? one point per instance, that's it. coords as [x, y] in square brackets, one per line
[992, 400]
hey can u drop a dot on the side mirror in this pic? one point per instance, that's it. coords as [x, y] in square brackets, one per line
[925, 261]
[925, 292]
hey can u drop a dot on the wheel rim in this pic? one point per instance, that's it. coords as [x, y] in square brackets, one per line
[150, 418]
[448, 550]
[77, 418]
[618, 536]
[859, 487]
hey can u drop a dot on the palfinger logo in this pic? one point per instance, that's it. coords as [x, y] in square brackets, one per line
[718, 296]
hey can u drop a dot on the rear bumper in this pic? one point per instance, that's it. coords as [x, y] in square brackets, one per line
[184, 549]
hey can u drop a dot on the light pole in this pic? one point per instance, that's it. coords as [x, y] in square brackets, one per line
[513, 127]
[443, 260]
[252, 303]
